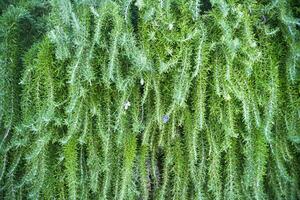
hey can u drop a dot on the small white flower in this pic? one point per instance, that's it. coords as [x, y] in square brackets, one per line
[170, 26]
[142, 81]
[126, 105]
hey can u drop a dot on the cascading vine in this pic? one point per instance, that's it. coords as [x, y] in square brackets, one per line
[136, 99]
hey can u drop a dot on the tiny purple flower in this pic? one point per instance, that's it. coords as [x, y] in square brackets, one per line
[165, 118]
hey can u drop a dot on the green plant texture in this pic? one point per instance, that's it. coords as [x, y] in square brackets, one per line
[150, 99]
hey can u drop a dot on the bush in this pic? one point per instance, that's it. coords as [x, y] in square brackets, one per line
[149, 99]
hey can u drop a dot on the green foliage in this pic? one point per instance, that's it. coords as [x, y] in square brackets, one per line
[136, 99]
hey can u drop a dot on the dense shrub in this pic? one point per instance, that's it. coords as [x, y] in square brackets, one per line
[136, 99]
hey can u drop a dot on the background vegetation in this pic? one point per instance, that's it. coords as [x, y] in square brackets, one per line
[149, 99]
